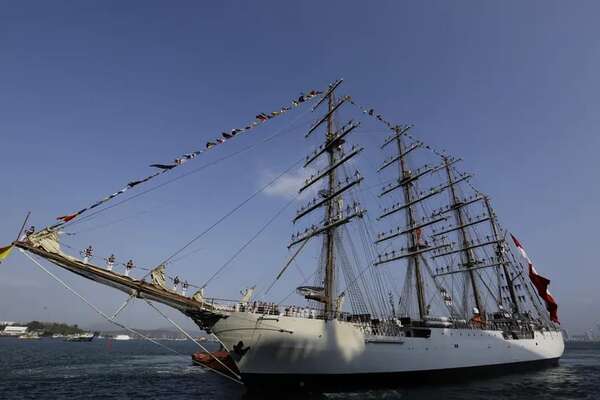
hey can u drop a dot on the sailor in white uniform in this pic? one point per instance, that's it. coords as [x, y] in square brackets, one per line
[87, 254]
[110, 262]
[128, 267]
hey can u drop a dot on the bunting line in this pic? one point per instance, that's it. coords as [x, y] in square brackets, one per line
[225, 136]
[371, 112]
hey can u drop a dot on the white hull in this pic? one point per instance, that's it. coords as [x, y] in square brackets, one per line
[280, 345]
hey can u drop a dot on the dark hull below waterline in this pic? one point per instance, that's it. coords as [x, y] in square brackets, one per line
[349, 382]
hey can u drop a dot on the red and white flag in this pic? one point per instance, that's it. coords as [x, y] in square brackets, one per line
[541, 284]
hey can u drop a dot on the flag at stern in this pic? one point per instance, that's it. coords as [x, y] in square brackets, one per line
[541, 284]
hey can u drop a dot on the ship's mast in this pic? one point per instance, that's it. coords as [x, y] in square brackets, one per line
[413, 240]
[330, 197]
[329, 283]
[501, 257]
[468, 256]
[406, 181]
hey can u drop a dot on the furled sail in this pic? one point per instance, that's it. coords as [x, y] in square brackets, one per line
[158, 277]
[47, 239]
[199, 296]
[247, 295]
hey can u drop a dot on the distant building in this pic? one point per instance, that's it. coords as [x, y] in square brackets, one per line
[580, 338]
[14, 331]
[7, 323]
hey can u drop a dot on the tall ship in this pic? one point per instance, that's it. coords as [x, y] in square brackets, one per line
[414, 275]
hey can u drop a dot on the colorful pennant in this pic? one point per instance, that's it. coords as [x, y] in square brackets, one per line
[225, 136]
[393, 127]
[5, 252]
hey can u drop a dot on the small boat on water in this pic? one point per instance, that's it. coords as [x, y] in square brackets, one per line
[30, 336]
[122, 337]
[216, 360]
[81, 337]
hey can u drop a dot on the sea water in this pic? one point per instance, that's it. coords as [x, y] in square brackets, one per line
[106, 369]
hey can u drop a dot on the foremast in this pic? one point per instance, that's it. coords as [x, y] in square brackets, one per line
[330, 211]
[330, 198]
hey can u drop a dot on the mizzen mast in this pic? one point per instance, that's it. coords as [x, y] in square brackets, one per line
[500, 256]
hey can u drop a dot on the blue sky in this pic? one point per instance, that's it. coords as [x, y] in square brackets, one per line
[94, 92]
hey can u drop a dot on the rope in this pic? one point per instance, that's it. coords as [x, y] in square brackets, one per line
[125, 304]
[228, 214]
[209, 164]
[256, 235]
[111, 319]
[96, 309]
[287, 264]
[238, 380]
[186, 255]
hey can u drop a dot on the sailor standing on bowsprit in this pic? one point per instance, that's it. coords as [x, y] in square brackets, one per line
[30, 231]
[87, 254]
[128, 267]
[110, 262]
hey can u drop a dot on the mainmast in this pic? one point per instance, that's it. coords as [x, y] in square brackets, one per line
[467, 252]
[330, 197]
[413, 230]
[413, 237]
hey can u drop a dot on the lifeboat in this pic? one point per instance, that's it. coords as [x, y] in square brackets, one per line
[209, 360]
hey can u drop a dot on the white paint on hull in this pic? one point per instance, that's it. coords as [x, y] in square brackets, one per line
[289, 345]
